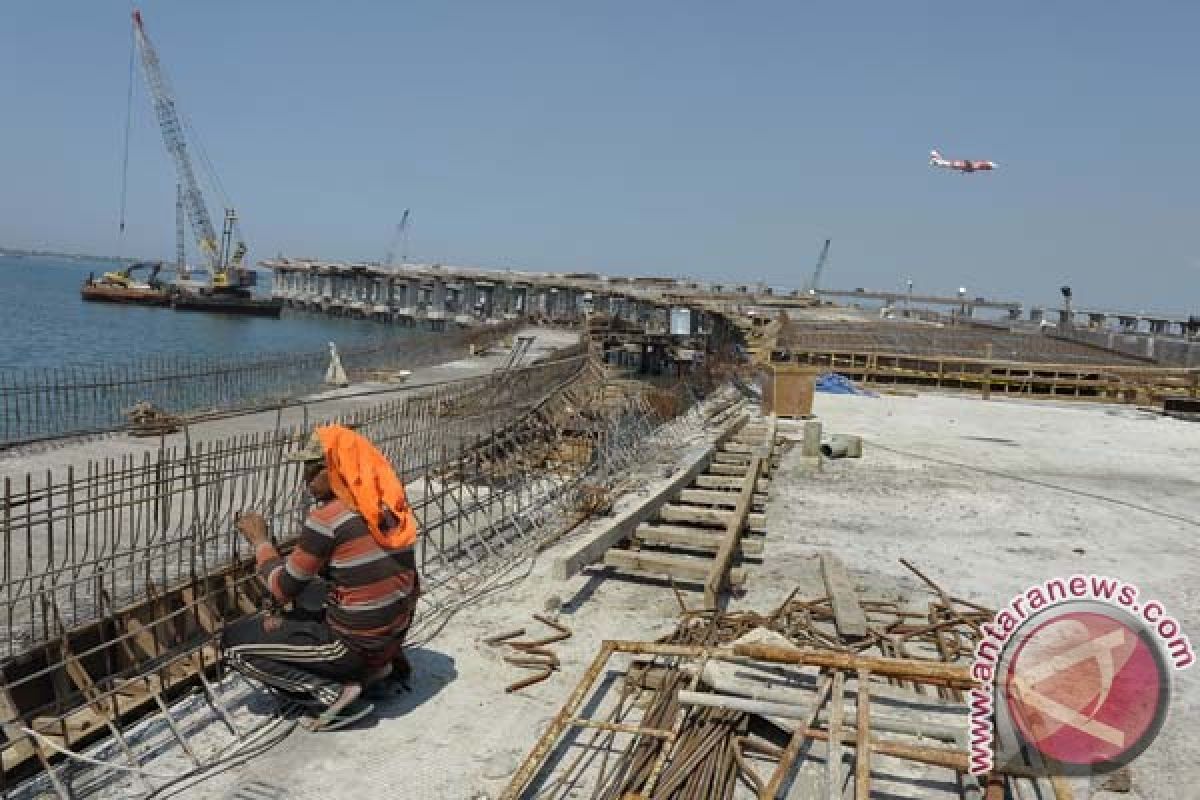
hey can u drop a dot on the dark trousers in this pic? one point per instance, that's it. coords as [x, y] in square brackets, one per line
[301, 657]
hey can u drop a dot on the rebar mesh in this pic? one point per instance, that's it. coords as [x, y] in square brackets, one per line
[494, 466]
[900, 338]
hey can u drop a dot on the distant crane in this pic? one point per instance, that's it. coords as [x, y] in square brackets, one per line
[224, 257]
[816, 276]
[401, 233]
[181, 270]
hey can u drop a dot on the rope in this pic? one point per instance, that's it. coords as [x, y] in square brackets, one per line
[125, 159]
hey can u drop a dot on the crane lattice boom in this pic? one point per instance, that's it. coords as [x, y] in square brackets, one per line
[180, 253]
[173, 138]
[816, 276]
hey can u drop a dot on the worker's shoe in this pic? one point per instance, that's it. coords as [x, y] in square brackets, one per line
[332, 721]
[340, 713]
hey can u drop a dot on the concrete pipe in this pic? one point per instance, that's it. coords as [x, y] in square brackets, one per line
[842, 445]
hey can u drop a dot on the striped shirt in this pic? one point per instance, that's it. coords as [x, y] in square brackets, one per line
[373, 591]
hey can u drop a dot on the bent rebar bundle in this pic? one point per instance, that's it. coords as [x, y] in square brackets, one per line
[118, 577]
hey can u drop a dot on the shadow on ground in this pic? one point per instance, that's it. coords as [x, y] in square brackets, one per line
[432, 672]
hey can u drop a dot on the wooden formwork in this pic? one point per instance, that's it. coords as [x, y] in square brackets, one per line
[1119, 383]
[92, 680]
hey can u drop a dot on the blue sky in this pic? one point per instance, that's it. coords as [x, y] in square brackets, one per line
[722, 140]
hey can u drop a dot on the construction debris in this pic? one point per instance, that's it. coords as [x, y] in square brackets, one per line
[726, 704]
[842, 445]
[534, 654]
[146, 419]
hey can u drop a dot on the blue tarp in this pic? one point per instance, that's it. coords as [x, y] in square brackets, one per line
[833, 383]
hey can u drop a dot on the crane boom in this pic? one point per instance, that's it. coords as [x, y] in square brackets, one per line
[401, 228]
[181, 269]
[816, 276]
[173, 138]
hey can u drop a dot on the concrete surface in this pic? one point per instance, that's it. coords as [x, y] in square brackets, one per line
[991, 497]
[986, 497]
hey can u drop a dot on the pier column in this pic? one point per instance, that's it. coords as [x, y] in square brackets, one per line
[604, 302]
[486, 301]
[437, 303]
[470, 297]
[501, 297]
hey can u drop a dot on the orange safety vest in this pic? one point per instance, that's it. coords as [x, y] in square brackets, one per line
[362, 478]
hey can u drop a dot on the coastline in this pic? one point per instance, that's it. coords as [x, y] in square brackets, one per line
[55, 456]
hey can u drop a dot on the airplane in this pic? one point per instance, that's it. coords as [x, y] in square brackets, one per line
[963, 166]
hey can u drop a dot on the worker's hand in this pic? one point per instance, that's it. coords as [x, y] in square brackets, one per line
[253, 527]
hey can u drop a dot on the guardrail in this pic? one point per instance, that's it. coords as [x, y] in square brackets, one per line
[38, 404]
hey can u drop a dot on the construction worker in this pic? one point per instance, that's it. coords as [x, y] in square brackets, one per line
[350, 584]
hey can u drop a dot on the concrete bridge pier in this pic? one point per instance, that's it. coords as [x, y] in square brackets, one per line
[518, 304]
[436, 312]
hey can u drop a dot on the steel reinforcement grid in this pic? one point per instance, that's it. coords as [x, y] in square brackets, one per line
[37, 404]
[910, 339]
[493, 465]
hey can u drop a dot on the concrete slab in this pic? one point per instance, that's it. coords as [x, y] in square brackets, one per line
[991, 497]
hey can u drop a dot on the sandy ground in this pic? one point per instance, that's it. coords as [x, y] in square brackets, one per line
[986, 497]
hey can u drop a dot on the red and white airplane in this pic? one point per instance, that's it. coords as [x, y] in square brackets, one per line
[963, 166]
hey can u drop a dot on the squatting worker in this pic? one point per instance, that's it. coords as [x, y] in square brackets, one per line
[350, 584]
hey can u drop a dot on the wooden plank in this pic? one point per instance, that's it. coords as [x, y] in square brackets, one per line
[713, 517]
[687, 568]
[717, 497]
[699, 539]
[862, 745]
[833, 761]
[727, 469]
[849, 617]
[728, 482]
[733, 533]
[626, 523]
[18, 747]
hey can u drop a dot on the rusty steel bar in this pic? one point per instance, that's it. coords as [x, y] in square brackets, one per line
[143, 552]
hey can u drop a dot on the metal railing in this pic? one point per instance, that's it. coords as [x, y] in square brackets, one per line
[38, 404]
